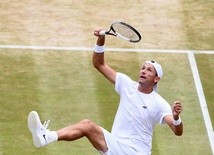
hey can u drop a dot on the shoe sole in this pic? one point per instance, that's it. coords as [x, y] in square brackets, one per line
[34, 125]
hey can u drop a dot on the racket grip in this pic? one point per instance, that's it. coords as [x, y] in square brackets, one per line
[102, 32]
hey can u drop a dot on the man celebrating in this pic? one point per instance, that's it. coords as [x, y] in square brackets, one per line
[140, 109]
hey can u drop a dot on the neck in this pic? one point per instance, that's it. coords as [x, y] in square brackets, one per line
[145, 89]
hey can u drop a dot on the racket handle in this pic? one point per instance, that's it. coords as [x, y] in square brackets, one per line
[102, 32]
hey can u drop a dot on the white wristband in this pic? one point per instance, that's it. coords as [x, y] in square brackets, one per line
[98, 49]
[177, 122]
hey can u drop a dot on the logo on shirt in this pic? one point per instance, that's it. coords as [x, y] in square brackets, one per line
[144, 107]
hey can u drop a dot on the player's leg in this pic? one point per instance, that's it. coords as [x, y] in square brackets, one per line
[84, 128]
[42, 136]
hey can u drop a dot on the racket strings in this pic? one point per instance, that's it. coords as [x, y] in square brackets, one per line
[126, 32]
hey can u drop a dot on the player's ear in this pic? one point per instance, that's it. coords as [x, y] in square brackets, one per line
[156, 79]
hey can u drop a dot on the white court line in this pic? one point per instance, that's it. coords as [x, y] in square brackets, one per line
[58, 48]
[202, 99]
[193, 64]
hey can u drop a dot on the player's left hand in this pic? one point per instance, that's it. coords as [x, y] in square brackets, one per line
[176, 109]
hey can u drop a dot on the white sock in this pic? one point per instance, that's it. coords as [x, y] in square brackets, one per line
[52, 136]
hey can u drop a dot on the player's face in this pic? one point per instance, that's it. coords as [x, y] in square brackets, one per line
[148, 74]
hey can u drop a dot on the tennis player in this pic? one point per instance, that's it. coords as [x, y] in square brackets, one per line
[140, 109]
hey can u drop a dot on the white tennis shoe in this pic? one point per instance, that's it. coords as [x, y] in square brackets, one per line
[39, 132]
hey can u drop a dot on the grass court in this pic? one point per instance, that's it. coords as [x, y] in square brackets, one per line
[62, 85]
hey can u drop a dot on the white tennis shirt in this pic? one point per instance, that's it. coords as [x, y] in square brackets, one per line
[137, 115]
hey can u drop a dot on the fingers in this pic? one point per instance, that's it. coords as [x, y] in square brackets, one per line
[177, 108]
[96, 32]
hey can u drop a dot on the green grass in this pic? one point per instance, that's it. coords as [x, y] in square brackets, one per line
[65, 88]
[55, 85]
[205, 67]
[198, 24]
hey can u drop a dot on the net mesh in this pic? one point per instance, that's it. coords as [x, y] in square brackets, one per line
[126, 31]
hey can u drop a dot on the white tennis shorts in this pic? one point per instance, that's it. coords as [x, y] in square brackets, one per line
[115, 147]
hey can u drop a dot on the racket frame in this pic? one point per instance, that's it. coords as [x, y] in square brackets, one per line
[112, 32]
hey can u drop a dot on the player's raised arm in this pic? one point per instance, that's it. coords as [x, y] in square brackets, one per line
[98, 58]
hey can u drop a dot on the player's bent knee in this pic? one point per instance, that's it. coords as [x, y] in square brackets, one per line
[86, 122]
[88, 126]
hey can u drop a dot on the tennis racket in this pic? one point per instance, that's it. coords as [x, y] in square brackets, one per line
[122, 30]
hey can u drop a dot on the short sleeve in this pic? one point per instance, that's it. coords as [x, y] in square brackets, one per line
[121, 82]
[165, 110]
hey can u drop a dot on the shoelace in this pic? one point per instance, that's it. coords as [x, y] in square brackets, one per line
[44, 129]
[46, 123]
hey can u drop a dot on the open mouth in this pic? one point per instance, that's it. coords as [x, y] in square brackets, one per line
[142, 77]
